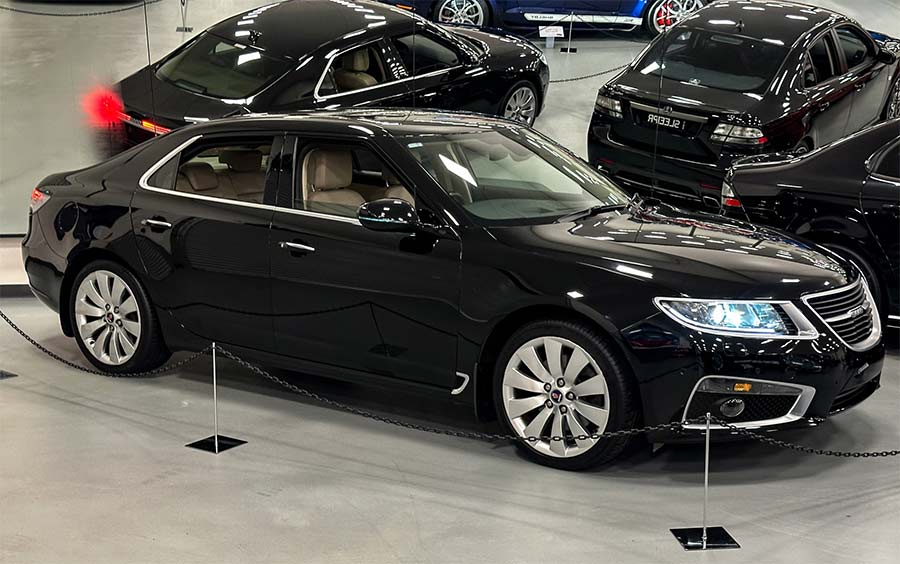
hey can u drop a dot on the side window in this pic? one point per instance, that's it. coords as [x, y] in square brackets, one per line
[230, 169]
[337, 179]
[354, 70]
[890, 163]
[857, 49]
[820, 54]
[423, 52]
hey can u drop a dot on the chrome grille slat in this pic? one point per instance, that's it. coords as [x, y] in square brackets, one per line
[850, 313]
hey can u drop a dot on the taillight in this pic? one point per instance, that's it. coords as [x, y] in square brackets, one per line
[150, 126]
[729, 197]
[38, 199]
[609, 106]
[102, 106]
[738, 135]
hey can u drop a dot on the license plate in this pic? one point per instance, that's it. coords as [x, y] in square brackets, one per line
[666, 121]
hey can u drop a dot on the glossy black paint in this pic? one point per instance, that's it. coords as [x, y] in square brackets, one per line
[833, 196]
[688, 168]
[309, 34]
[415, 308]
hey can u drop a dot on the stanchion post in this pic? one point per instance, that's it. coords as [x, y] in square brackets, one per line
[569, 43]
[705, 470]
[216, 443]
[216, 414]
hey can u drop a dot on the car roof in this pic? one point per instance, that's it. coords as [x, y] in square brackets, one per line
[773, 21]
[295, 28]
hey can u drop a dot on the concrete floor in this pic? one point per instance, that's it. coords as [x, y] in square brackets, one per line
[94, 469]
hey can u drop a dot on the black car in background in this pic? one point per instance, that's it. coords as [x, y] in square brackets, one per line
[328, 54]
[454, 253]
[844, 196]
[739, 78]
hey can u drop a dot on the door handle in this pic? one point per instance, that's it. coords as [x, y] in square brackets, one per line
[156, 224]
[824, 106]
[860, 86]
[296, 247]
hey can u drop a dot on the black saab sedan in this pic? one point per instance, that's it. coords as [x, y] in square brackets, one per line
[739, 78]
[327, 54]
[453, 253]
[844, 196]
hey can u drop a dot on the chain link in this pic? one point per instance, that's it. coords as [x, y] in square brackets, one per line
[78, 14]
[594, 75]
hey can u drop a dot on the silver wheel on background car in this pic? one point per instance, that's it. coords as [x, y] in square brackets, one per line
[521, 105]
[468, 12]
[893, 110]
[107, 317]
[666, 13]
[553, 387]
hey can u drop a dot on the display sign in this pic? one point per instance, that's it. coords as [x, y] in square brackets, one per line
[551, 31]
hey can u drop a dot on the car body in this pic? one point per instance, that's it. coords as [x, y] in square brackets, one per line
[653, 15]
[739, 82]
[845, 196]
[440, 252]
[292, 56]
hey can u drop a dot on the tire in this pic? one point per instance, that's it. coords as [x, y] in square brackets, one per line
[803, 147]
[517, 388]
[871, 275]
[892, 107]
[474, 13]
[679, 9]
[130, 319]
[515, 104]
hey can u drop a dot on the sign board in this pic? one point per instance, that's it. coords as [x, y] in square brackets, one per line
[551, 31]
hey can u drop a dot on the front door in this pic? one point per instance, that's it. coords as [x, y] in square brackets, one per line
[349, 297]
[870, 79]
[202, 234]
[829, 97]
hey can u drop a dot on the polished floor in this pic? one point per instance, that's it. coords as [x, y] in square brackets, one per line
[93, 469]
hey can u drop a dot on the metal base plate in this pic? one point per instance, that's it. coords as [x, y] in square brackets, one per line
[209, 444]
[717, 538]
[571, 50]
[184, 29]
[4, 374]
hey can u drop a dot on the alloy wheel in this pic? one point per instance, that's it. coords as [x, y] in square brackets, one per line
[107, 317]
[468, 12]
[669, 12]
[894, 103]
[553, 387]
[521, 106]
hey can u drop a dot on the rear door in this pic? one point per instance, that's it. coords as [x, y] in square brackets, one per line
[363, 75]
[829, 95]
[881, 203]
[202, 232]
[870, 79]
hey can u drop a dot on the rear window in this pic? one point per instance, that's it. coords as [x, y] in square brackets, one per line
[715, 60]
[221, 69]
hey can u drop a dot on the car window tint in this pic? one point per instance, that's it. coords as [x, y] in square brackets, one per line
[337, 179]
[820, 55]
[890, 163]
[232, 169]
[716, 60]
[855, 47]
[423, 53]
[165, 176]
[216, 67]
[354, 70]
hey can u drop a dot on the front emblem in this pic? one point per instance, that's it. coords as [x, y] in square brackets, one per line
[556, 396]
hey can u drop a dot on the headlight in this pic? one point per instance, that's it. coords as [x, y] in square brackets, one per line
[609, 106]
[735, 134]
[759, 319]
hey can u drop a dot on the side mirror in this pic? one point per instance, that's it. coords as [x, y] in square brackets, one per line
[388, 214]
[886, 57]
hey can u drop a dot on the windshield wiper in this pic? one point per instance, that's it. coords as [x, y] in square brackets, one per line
[593, 210]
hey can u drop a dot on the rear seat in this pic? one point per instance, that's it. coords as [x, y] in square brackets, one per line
[243, 180]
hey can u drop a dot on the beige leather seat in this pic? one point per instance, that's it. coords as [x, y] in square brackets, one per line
[353, 73]
[395, 189]
[201, 178]
[327, 174]
[245, 173]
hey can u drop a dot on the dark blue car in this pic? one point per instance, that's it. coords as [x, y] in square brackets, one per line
[653, 15]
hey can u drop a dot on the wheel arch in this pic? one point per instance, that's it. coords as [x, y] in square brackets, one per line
[839, 239]
[77, 261]
[510, 323]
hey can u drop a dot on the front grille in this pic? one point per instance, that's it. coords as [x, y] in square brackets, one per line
[761, 407]
[847, 311]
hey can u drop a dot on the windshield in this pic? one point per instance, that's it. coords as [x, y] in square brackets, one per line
[221, 69]
[716, 60]
[512, 175]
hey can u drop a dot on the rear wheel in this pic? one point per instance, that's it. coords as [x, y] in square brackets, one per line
[466, 12]
[114, 323]
[663, 14]
[559, 378]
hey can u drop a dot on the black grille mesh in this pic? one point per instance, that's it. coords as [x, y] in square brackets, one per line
[834, 309]
[757, 407]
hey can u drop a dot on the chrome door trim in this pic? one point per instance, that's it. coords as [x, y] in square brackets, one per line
[797, 411]
[659, 111]
[462, 387]
[156, 223]
[296, 246]
[320, 98]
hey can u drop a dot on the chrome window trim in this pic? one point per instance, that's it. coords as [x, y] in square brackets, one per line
[661, 112]
[143, 183]
[874, 337]
[797, 411]
[805, 330]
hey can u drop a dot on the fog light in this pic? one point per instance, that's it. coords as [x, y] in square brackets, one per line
[732, 407]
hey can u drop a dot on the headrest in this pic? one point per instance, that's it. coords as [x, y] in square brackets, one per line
[329, 169]
[356, 61]
[201, 176]
[389, 177]
[241, 160]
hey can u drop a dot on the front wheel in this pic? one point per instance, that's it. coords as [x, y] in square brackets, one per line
[115, 324]
[521, 103]
[466, 12]
[663, 14]
[559, 378]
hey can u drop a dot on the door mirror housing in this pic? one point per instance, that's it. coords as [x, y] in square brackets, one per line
[886, 57]
[389, 214]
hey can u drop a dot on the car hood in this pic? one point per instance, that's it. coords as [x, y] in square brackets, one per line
[687, 253]
[143, 92]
